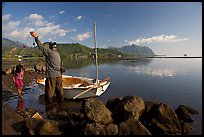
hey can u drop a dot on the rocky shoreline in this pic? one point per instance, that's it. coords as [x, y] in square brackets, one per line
[130, 115]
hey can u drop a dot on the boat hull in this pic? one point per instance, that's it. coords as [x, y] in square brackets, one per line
[75, 91]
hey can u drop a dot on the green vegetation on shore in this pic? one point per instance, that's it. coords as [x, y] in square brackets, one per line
[68, 51]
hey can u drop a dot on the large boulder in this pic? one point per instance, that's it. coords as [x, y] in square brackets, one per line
[111, 103]
[162, 120]
[96, 112]
[132, 127]
[184, 113]
[42, 127]
[144, 116]
[129, 106]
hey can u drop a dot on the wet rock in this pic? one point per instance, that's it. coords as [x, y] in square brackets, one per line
[189, 109]
[184, 113]
[162, 120]
[7, 71]
[78, 128]
[42, 127]
[76, 116]
[185, 128]
[129, 115]
[111, 103]
[96, 111]
[129, 106]
[49, 127]
[132, 127]
[12, 122]
[99, 129]
[61, 115]
[28, 69]
[32, 124]
[149, 105]
[67, 116]
[66, 128]
[144, 116]
[40, 67]
[94, 129]
[111, 129]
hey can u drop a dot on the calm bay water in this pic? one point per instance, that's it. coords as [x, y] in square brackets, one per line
[174, 81]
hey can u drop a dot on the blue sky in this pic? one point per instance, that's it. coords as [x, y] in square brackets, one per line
[168, 28]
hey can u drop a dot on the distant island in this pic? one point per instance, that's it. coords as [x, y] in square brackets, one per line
[142, 51]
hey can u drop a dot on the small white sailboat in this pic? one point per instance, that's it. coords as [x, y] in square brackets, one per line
[81, 87]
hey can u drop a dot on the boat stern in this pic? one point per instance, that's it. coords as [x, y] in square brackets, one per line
[102, 88]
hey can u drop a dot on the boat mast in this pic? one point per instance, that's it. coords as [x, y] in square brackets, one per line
[96, 58]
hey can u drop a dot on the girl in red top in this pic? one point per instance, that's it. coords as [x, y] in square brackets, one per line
[18, 78]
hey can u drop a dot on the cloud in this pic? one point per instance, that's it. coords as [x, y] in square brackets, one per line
[19, 34]
[12, 25]
[36, 20]
[8, 25]
[81, 37]
[33, 22]
[61, 12]
[6, 17]
[50, 29]
[79, 17]
[35, 17]
[160, 38]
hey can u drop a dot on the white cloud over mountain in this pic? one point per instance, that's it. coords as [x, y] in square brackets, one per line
[160, 38]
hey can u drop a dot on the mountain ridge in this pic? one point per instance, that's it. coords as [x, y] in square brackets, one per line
[136, 50]
[77, 48]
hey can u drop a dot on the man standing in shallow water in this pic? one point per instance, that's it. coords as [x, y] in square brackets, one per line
[53, 82]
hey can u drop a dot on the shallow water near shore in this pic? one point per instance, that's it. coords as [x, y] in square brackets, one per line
[33, 99]
[171, 81]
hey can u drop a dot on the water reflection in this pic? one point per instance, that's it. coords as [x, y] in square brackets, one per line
[155, 72]
[145, 66]
[20, 103]
[140, 67]
[78, 63]
[134, 63]
[82, 63]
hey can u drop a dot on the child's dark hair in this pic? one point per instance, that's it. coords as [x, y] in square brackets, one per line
[18, 68]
